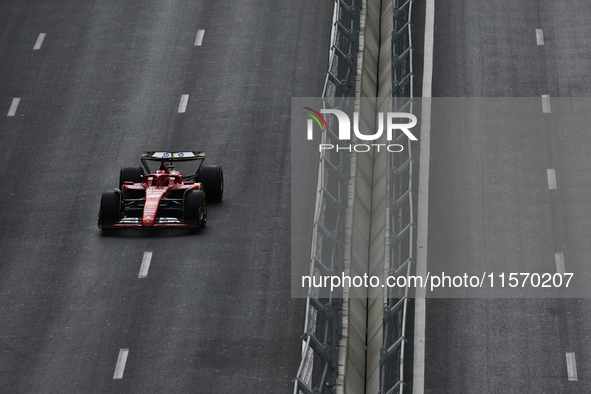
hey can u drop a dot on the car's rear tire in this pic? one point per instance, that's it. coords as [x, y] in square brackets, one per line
[195, 207]
[212, 178]
[110, 207]
[130, 174]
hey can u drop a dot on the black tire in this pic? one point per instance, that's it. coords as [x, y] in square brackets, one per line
[110, 207]
[212, 178]
[130, 174]
[195, 207]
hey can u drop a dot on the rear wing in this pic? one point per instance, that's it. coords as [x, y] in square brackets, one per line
[163, 156]
[173, 156]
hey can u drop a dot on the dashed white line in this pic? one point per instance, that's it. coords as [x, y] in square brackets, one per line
[145, 265]
[551, 178]
[545, 103]
[559, 257]
[13, 106]
[39, 41]
[183, 103]
[199, 38]
[120, 367]
[571, 367]
[539, 36]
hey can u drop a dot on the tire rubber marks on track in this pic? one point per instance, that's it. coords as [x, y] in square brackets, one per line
[120, 366]
[199, 38]
[14, 106]
[145, 265]
[551, 178]
[183, 103]
[39, 41]
[539, 36]
[571, 367]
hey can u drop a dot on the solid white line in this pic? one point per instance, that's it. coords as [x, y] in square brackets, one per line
[551, 178]
[39, 41]
[199, 38]
[14, 106]
[545, 103]
[183, 103]
[145, 265]
[428, 48]
[539, 36]
[571, 367]
[121, 360]
[559, 257]
[423, 202]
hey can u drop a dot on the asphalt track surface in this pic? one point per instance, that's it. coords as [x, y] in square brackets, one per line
[489, 49]
[214, 314]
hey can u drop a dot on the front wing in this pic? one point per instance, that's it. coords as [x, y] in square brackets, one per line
[163, 222]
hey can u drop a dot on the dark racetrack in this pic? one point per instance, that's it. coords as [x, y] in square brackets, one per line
[214, 314]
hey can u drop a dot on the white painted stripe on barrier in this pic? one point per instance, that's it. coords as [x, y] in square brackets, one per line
[183, 103]
[39, 41]
[423, 202]
[121, 361]
[539, 36]
[559, 257]
[571, 367]
[199, 38]
[14, 106]
[428, 48]
[145, 265]
[551, 178]
[545, 103]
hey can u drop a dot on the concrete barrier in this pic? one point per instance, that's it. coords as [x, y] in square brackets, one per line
[366, 242]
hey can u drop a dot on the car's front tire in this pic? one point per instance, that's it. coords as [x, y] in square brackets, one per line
[110, 207]
[195, 207]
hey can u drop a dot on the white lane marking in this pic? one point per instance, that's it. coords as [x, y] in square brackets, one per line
[551, 178]
[559, 257]
[120, 367]
[145, 265]
[39, 41]
[199, 37]
[183, 103]
[545, 103]
[571, 367]
[428, 48]
[14, 106]
[423, 206]
[539, 36]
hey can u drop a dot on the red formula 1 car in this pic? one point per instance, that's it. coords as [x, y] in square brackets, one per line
[164, 198]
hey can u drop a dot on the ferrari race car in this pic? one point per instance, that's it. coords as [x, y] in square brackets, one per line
[165, 197]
